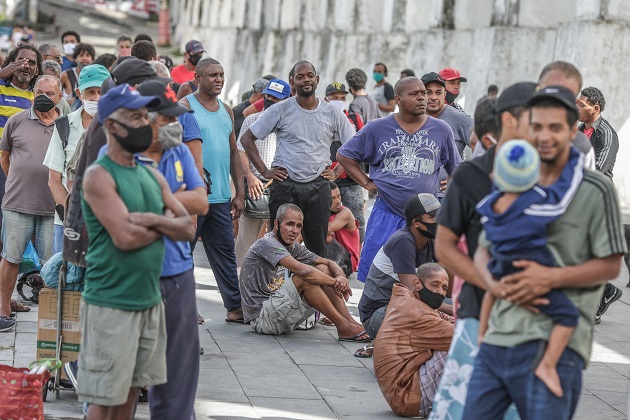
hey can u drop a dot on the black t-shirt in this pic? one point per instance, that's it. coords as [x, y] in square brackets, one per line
[470, 184]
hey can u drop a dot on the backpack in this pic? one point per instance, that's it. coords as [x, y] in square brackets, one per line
[63, 128]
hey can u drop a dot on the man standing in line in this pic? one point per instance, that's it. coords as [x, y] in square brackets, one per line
[405, 152]
[128, 209]
[305, 127]
[257, 94]
[27, 206]
[221, 159]
[383, 92]
[362, 104]
[69, 40]
[192, 55]
[454, 82]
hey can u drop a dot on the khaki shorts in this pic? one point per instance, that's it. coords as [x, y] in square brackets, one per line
[119, 350]
[283, 311]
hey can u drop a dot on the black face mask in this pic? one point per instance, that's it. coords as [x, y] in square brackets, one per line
[267, 103]
[137, 140]
[432, 299]
[43, 103]
[194, 59]
[279, 237]
[430, 232]
[450, 97]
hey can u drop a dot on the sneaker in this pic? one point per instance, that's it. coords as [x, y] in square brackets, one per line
[608, 299]
[71, 373]
[6, 323]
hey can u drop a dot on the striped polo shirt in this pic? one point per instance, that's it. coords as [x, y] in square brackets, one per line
[12, 101]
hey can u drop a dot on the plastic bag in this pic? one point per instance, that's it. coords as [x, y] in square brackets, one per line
[21, 393]
[30, 260]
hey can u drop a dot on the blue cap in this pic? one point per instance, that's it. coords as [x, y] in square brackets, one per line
[123, 96]
[516, 167]
[278, 88]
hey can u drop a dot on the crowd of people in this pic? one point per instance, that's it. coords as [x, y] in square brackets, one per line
[486, 257]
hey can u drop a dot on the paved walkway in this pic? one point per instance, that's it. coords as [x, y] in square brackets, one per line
[309, 374]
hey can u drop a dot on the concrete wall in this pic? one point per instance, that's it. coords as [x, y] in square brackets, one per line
[489, 41]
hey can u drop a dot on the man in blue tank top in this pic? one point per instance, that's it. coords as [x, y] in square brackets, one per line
[220, 159]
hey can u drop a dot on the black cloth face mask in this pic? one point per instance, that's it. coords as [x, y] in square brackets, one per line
[432, 299]
[450, 97]
[194, 59]
[137, 139]
[430, 232]
[267, 103]
[43, 103]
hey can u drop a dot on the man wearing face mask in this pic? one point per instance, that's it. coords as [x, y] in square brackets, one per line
[251, 229]
[129, 209]
[192, 55]
[28, 206]
[84, 55]
[486, 127]
[383, 92]
[169, 155]
[397, 262]
[61, 150]
[412, 344]
[454, 82]
[69, 40]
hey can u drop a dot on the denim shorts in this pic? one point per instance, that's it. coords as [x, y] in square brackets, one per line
[19, 228]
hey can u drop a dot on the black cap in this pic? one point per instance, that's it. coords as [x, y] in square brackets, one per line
[160, 88]
[194, 47]
[559, 94]
[514, 96]
[433, 77]
[133, 71]
[420, 204]
[335, 87]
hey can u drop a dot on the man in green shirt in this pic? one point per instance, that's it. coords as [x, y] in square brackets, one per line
[127, 208]
[587, 243]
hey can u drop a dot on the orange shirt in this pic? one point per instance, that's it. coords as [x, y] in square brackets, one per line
[181, 74]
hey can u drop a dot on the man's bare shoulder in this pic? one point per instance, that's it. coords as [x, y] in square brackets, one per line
[97, 178]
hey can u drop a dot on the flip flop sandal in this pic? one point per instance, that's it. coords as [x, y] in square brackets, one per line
[326, 321]
[19, 307]
[362, 352]
[356, 338]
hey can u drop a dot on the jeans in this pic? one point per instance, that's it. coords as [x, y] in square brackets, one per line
[57, 245]
[506, 374]
[19, 228]
[314, 199]
[217, 235]
[352, 197]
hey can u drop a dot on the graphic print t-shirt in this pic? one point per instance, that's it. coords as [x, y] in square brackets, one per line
[403, 164]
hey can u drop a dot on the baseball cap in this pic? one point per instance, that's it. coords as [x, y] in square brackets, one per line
[133, 71]
[422, 204]
[514, 96]
[123, 96]
[559, 94]
[335, 87]
[433, 77]
[93, 76]
[194, 47]
[516, 166]
[167, 61]
[452, 74]
[260, 85]
[278, 88]
[162, 89]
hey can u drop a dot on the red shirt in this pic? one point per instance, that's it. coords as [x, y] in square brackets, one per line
[259, 104]
[181, 74]
[348, 239]
[589, 132]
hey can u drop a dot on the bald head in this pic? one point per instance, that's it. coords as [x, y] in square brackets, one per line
[406, 84]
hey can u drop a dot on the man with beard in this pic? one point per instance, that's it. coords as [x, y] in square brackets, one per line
[28, 206]
[405, 152]
[83, 55]
[221, 159]
[305, 127]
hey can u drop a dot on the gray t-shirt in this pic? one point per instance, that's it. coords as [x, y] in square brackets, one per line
[261, 274]
[366, 107]
[303, 136]
[461, 124]
[383, 94]
[27, 139]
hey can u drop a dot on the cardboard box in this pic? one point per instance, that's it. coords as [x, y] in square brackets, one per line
[47, 325]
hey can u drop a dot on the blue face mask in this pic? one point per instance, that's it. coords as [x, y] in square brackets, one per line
[378, 77]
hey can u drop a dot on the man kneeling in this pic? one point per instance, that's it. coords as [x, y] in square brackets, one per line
[411, 347]
[282, 283]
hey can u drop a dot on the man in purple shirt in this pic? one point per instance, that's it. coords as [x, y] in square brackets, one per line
[405, 152]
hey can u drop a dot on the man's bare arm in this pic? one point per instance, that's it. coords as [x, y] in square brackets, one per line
[195, 201]
[453, 258]
[5, 162]
[343, 219]
[99, 191]
[59, 192]
[354, 171]
[195, 147]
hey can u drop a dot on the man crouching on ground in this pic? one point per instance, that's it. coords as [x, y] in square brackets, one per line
[127, 208]
[283, 283]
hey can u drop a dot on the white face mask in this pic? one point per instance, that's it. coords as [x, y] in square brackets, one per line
[90, 107]
[69, 48]
[479, 149]
[340, 105]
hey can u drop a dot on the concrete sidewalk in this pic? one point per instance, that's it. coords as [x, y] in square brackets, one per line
[309, 374]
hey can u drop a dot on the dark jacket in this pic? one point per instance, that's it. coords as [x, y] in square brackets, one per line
[606, 145]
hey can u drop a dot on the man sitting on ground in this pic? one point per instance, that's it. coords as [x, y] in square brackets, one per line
[282, 283]
[412, 344]
[397, 261]
[343, 234]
